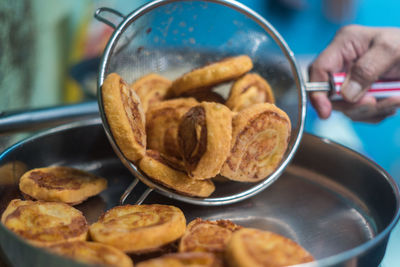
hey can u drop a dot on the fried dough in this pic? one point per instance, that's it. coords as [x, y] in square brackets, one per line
[249, 90]
[92, 253]
[62, 184]
[162, 121]
[45, 223]
[125, 116]
[252, 248]
[207, 236]
[260, 136]
[151, 89]
[204, 136]
[207, 76]
[162, 171]
[190, 259]
[139, 228]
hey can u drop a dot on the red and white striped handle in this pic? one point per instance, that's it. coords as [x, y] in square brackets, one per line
[379, 89]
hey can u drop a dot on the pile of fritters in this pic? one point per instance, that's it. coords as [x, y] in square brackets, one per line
[182, 134]
[153, 235]
[47, 218]
[156, 233]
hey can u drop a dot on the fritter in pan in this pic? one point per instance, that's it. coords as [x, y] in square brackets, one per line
[93, 253]
[139, 228]
[63, 184]
[190, 259]
[207, 236]
[45, 223]
[255, 248]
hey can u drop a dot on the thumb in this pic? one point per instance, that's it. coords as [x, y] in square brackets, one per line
[366, 70]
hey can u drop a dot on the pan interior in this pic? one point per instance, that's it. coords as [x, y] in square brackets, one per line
[321, 209]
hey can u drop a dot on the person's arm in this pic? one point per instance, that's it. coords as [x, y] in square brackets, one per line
[365, 54]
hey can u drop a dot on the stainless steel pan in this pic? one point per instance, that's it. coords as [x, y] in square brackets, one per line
[334, 202]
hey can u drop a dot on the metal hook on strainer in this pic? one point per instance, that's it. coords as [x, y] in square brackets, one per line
[171, 37]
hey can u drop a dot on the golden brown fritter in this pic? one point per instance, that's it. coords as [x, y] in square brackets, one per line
[207, 76]
[190, 259]
[139, 228]
[62, 184]
[162, 121]
[125, 116]
[168, 174]
[151, 89]
[260, 136]
[249, 90]
[255, 248]
[92, 253]
[204, 136]
[207, 236]
[45, 223]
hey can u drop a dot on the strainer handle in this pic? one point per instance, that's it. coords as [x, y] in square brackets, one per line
[100, 10]
[379, 89]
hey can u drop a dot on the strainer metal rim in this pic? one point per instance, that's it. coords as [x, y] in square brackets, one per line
[297, 77]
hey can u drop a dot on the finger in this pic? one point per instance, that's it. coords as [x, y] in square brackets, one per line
[322, 104]
[329, 61]
[367, 69]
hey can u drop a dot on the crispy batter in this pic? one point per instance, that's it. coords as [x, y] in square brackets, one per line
[162, 121]
[93, 253]
[164, 172]
[151, 89]
[207, 76]
[204, 138]
[260, 136]
[252, 247]
[191, 259]
[249, 90]
[45, 223]
[62, 184]
[207, 236]
[139, 228]
[125, 116]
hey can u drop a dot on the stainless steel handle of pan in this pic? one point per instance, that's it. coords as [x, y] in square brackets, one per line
[33, 119]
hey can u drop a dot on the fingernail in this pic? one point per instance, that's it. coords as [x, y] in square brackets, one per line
[352, 91]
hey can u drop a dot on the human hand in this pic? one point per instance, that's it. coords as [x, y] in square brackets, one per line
[365, 54]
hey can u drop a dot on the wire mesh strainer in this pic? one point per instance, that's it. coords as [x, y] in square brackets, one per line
[171, 37]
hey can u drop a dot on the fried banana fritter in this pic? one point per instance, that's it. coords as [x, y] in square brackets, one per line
[45, 223]
[58, 183]
[255, 248]
[139, 228]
